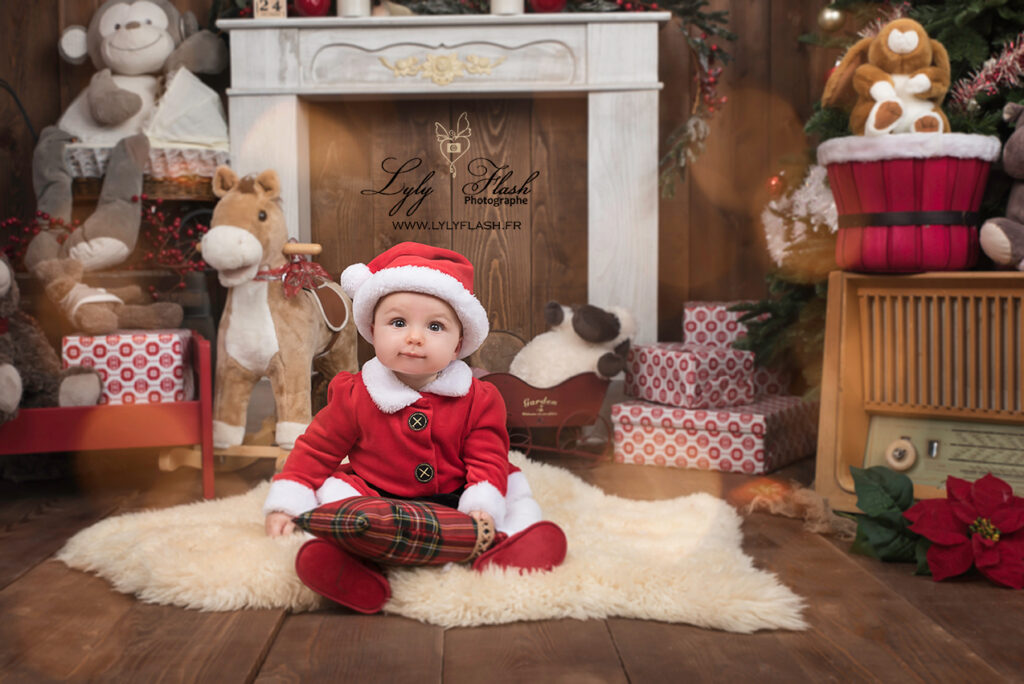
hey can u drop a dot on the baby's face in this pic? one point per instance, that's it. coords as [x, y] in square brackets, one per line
[415, 335]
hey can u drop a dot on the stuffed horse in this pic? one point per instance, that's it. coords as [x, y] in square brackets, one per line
[281, 316]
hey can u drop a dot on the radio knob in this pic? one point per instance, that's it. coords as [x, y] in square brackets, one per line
[901, 454]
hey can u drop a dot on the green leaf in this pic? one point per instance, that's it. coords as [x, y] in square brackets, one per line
[876, 533]
[887, 543]
[861, 545]
[921, 555]
[894, 545]
[881, 490]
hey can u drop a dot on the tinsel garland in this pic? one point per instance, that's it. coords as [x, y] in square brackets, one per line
[792, 219]
[1004, 71]
[886, 14]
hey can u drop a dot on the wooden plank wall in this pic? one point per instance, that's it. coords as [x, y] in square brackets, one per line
[711, 245]
[536, 254]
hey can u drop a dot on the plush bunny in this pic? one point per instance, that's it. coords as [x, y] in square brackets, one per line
[895, 82]
[1002, 239]
[582, 339]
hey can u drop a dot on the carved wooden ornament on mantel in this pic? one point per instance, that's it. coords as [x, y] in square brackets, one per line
[444, 68]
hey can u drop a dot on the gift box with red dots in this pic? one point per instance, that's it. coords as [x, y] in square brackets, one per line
[754, 439]
[136, 366]
[690, 375]
[712, 324]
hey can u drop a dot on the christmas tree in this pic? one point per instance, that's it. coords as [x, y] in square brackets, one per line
[985, 42]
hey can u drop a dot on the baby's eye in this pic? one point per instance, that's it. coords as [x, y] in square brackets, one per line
[398, 323]
[435, 327]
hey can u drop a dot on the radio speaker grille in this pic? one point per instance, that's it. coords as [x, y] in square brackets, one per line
[949, 352]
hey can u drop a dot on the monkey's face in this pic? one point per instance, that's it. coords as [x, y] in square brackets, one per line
[134, 37]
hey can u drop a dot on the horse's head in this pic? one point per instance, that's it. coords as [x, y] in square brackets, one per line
[247, 229]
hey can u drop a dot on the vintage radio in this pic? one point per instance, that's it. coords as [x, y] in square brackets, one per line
[925, 374]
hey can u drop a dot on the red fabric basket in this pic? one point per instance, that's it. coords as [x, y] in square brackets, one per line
[908, 203]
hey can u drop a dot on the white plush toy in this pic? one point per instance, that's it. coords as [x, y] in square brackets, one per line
[582, 339]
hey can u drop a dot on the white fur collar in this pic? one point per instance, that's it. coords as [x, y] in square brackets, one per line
[391, 394]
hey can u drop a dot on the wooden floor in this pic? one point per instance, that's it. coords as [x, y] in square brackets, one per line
[868, 621]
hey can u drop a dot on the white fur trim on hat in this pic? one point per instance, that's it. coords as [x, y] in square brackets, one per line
[353, 277]
[859, 148]
[367, 290]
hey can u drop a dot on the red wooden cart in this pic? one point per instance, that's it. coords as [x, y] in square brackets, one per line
[555, 419]
[89, 428]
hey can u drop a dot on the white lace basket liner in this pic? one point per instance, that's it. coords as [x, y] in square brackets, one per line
[187, 131]
[86, 161]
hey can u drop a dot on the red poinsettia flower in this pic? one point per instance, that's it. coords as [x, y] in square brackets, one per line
[979, 524]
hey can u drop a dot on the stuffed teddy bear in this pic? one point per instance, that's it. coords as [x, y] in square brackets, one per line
[30, 372]
[1002, 239]
[895, 82]
[132, 44]
[582, 339]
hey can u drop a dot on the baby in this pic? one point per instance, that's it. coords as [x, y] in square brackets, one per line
[414, 424]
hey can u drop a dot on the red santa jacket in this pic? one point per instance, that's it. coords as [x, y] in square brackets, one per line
[449, 435]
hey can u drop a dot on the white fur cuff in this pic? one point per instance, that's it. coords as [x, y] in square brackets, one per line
[287, 432]
[521, 514]
[335, 489]
[518, 488]
[483, 496]
[288, 496]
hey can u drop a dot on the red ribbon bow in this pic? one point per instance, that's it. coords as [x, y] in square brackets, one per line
[296, 275]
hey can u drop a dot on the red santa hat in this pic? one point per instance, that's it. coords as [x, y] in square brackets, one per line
[412, 267]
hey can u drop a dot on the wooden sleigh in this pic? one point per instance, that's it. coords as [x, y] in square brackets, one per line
[565, 419]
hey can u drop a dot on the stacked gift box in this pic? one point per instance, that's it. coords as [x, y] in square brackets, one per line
[136, 366]
[703, 404]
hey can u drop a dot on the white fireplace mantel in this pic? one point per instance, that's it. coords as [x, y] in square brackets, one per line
[611, 59]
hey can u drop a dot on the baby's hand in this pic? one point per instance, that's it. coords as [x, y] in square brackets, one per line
[279, 524]
[482, 517]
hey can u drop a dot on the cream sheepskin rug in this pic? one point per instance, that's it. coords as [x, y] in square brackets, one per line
[677, 561]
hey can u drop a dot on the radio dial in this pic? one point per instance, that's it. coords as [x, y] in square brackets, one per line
[901, 454]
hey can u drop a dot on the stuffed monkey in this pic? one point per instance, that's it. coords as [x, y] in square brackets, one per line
[895, 81]
[131, 43]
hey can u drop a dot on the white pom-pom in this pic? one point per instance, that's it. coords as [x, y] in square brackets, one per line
[353, 277]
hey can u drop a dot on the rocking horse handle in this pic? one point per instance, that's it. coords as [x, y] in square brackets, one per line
[291, 248]
[312, 248]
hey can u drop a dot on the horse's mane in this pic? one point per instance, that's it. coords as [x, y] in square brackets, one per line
[247, 184]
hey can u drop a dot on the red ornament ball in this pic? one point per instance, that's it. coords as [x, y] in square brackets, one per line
[776, 184]
[312, 8]
[543, 6]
